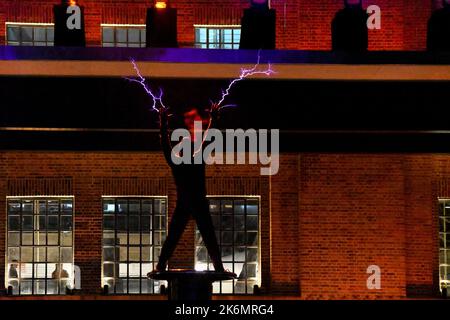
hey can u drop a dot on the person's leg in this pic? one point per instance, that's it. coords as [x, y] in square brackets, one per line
[205, 226]
[177, 225]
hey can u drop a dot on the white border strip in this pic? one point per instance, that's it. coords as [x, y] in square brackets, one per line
[29, 24]
[123, 25]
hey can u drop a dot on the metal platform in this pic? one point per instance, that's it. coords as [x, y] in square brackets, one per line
[190, 285]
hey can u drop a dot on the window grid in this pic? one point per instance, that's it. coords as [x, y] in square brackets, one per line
[124, 36]
[237, 217]
[29, 35]
[29, 244]
[444, 240]
[123, 272]
[217, 37]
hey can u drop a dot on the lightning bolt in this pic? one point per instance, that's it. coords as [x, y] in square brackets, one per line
[245, 73]
[142, 81]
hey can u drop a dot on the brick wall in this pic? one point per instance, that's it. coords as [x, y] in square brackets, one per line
[301, 24]
[324, 218]
[351, 216]
[89, 176]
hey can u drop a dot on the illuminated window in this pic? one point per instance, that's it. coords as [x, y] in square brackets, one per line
[236, 221]
[39, 245]
[27, 34]
[217, 37]
[133, 231]
[444, 248]
[132, 36]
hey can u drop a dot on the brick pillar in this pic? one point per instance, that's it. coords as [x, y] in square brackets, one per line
[88, 232]
[93, 21]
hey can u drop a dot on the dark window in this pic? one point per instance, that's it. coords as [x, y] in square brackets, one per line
[40, 245]
[444, 240]
[133, 232]
[217, 37]
[124, 36]
[29, 34]
[236, 221]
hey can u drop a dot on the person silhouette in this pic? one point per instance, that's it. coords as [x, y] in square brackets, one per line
[438, 37]
[349, 28]
[59, 272]
[190, 181]
[13, 274]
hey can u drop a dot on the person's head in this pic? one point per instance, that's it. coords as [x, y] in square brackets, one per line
[191, 115]
[260, 4]
[352, 3]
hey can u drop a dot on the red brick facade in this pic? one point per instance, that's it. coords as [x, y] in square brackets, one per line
[301, 24]
[324, 218]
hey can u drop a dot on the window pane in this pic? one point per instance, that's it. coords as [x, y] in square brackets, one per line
[13, 34]
[39, 254]
[39, 270]
[133, 223]
[135, 238]
[13, 254]
[108, 222]
[26, 254]
[66, 223]
[109, 239]
[50, 34]
[147, 254]
[66, 255]
[122, 239]
[26, 287]
[14, 207]
[52, 254]
[108, 270]
[122, 206]
[252, 255]
[127, 259]
[133, 35]
[227, 36]
[14, 223]
[121, 35]
[146, 223]
[108, 34]
[66, 239]
[109, 206]
[27, 206]
[27, 238]
[27, 223]
[252, 223]
[52, 238]
[36, 255]
[53, 207]
[238, 234]
[66, 206]
[122, 223]
[123, 251]
[53, 223]
[40, 34]
[13, 238]
[147, 207]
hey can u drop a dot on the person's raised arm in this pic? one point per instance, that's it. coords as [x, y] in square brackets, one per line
[164, 135]
[214, 115]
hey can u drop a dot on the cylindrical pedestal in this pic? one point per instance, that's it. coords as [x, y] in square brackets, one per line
[190, 285]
